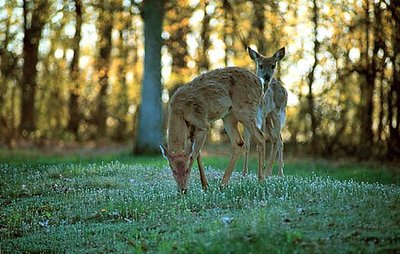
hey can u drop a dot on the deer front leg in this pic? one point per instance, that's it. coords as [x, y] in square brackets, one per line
[250, 124]
[190, 147]
[273, 129]
[261, 165]
[199, 137]
[247, 138]
[280, 155]
[271, 158]
[230, 124]
[203, 179]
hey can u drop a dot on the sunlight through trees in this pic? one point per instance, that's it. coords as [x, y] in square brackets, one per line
[84, 70]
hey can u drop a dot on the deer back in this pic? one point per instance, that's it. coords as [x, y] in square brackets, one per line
[209, 97]
[280, 93]
[215, 93]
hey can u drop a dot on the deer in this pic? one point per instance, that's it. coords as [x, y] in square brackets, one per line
[273, 112]
[232, 94]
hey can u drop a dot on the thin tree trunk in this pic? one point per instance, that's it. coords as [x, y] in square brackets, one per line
[381, 114]
[367, 92]
[179, 29]
[379, 44]
[122, 107]
[105, 44]
[34, 19]
[393, 143]
[310, 96]
[138, 77]
[203, 62]
[396, 84]
[259, 25]
[227, 36]
[73, 106]
[150, 114]
[6, 67]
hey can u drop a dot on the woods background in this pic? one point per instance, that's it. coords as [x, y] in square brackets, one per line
[82, 70]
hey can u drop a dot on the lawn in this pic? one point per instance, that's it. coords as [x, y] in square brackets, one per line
[119, 203]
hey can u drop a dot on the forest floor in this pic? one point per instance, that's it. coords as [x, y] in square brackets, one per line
[100, 202]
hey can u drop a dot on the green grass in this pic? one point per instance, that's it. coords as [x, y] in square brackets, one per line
[118, 203]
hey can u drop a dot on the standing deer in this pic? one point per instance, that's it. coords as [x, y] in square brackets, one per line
[273, 109]
[232, 94]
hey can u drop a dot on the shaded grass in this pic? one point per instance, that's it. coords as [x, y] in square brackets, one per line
[100, 205]
[340, 169]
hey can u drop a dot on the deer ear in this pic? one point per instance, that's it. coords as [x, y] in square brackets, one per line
[164, 151]
[279, 54]
[253, 54]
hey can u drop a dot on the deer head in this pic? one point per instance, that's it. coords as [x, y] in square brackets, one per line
[266, 65]
[180, 164]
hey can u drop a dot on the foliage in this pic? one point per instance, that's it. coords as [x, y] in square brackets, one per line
[342, 66]
[61, 204]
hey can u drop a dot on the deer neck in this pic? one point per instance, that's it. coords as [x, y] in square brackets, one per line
[177, 132]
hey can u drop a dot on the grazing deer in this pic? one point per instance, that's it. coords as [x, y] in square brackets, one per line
[273, 111]
[232, 94]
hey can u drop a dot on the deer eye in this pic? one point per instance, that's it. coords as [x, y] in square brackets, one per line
[273, 66]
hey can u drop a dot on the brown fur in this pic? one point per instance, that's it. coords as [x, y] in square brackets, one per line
[275, 118]
[275, 101]
[231, 94]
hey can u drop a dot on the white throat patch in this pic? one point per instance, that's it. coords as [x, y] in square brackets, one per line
[262, 83]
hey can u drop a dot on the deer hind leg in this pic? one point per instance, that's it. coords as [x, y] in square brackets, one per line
[203, 179]
[273, 128]
[272, 156]
[250, 125]
[231, 128]
[247, 137]
[280, 155]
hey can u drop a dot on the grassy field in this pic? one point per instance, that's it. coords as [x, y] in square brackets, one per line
[117, 203]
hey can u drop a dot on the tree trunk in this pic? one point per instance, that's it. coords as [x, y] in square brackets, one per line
[150, 114]
[178, 30]
[34, 15]
[393, 142]
[203, 62]
[379, 44]
[227, 33]
[259, 25]
[367, 92]
[122, 107]
[73, 106]
[105, 44]
[381, 114]
[7, 68]
[310, 96]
